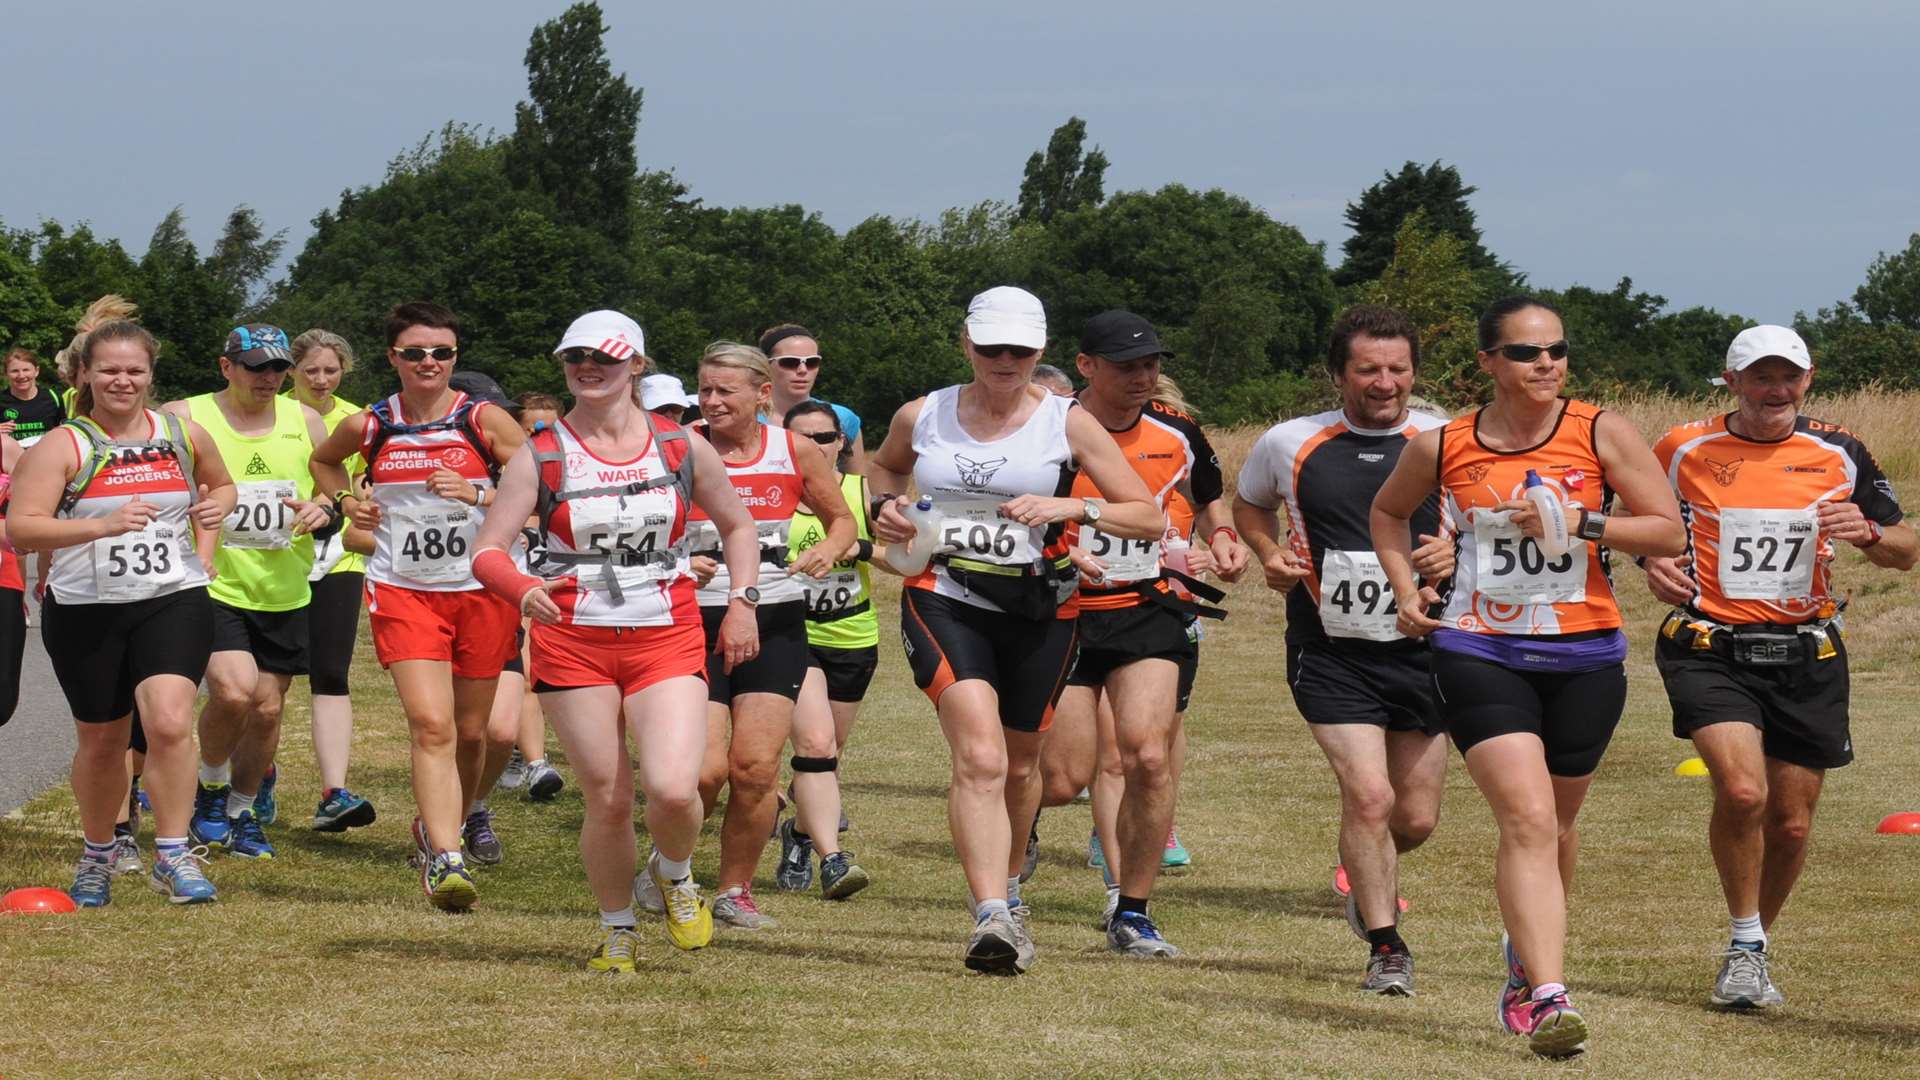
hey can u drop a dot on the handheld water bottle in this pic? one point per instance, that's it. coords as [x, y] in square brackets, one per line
[1554, 541]
[912, 557]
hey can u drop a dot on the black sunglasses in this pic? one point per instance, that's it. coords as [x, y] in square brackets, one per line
[795, 363]
[995, 352]
[1525, 354]
[276, 366]
[582, 355]
[824, 438]
[413, 354]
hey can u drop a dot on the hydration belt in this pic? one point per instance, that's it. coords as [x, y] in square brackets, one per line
[1756, 644]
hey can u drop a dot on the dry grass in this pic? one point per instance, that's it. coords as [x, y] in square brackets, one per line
[327, 963]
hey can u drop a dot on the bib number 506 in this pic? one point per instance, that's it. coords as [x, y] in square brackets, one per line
[980, 538]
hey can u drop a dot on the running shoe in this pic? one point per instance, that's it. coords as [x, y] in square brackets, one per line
[1389, 973]
[615, 954]
[841, 877]
[1515, 1011]
[208, 826]
[1024, 950]
[1744, 980]
[1113, 905]
[179, 877]
[92, 883]
[514, 774]
[422, 850]
[994, 948]
[126, 855]
[1132, 933]
[1559, 1031]
[245, 838]
[735, 908]
[1096, 855]
[340, 810]
[689, 916]
[845, 825]
[448, 883]
[543, 781]
[264, 806]
[1032, 861]
[478, 837]
[794, 871]
[647, 892]
[1341, 885]
[1176, 856]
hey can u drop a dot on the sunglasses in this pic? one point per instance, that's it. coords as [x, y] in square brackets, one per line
[413, 354]
[1525, 354]
[995, 352]
[795, 363]
[824, 438]
[582, 355]
[278, 367]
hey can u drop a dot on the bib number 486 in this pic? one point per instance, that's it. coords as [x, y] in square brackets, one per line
[432, 545]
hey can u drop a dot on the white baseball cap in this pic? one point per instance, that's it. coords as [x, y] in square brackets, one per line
[1756, 343]
[609, 331]
[1006, 315]
[658, 390]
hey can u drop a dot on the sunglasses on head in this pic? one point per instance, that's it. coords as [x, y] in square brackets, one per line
[995, 352]
[824, 438]
[413, 354]
[582, 354]
[795, 363]
[1526, 353]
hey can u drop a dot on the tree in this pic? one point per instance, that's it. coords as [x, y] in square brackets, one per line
[1429, 278]
[28, 315]
[77, 268]
[243, 255]
[186, 307]
[1438, 191]
[1891, 293]
[1062, 179]
[574, 140]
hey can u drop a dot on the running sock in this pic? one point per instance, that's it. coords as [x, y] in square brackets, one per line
[1134, 904]
[476, 807]
[169, 847]
[100, 853]
[1013, 891]
[987, 908]
[622, 919]
[238, 804]
[1547, 990]
[1748, 933]
[215, 775]
[674, 870]
[1387, 938]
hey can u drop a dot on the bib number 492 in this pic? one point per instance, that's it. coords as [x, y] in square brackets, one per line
[1368, 596]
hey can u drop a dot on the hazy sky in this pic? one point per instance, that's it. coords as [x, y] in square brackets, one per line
[1752, 156]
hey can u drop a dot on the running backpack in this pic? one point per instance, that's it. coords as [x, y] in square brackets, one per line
[549, 462]
[460, 419]
[102, 445]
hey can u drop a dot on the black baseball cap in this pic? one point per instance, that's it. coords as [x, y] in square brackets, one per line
[1121, 336]
[479, 386]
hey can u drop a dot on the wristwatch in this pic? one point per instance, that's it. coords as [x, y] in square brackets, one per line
[1091, 512]
[748, 593]
[1593, 525]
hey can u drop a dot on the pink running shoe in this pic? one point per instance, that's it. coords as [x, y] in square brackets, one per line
[1559, 1031]
[1515, 1011]
[1341, 886]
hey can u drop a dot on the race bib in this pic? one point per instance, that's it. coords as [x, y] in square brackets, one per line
[837, 591]
[433, 546]
[260, 520]
[1768, 554]
[1126, 560]
[974, 529]
[1355, 599]
[1510, 568]
[327, 555]
[140, 565]
[615, 523]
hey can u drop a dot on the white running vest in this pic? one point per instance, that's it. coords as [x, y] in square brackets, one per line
[424, 542]
[157, 560]
[769, 485]
[653, 520]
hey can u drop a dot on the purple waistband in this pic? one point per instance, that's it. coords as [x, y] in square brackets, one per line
[1535, 654]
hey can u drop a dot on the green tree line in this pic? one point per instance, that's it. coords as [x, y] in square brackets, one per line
[519, 233]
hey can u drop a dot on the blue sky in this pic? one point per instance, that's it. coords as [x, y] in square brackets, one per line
[1749, 156]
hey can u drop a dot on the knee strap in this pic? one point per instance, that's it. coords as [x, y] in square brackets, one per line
[814, 764]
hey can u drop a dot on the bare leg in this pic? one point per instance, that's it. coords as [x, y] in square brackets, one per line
[1529, 875]
[1067, 760]
[761, 724]
[166, 712]
[977, 798]
[816, 795]
[1793, 791]
[260, 740]
[591, 727]
[332, 737]
[669, 727]
[1142, 695]
[426, 694]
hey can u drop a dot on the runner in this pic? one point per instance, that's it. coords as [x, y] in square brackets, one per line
[750, 710]
[130, 502]
[432, 452]
[1752, 654]
[13, 593]
[320, 359]
[991, 626]
[1053, 380]
[795, 353]
[843, 651]
[259, 591]
[26, 410]
[1362, 686]
[664, 395]
[1527, 651]
[528, 766]
[617, 643]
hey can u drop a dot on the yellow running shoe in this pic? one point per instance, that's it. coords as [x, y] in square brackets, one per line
[448, 883]
[615, 954]
[689, 919]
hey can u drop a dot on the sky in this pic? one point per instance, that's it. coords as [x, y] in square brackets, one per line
[1752, 157]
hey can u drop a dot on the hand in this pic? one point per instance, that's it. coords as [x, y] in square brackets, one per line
[1090, 568]
[1522, 515]
[451, 485]
[739, 637]
[6, 427]
[1284, 570]
[1845, 521]
[813, 562]
[702, 567]
[537, 603]
[1037, 510]
[308, 516]
[892, 526]
[213, 572]
[135, 515]
[1433, 559]
[1413, 620]
[365, 513]
[1199, 560]
[1230, 557]
[207, 513]
[1668, 582]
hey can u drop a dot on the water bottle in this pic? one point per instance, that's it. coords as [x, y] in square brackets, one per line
[912, 557]
[1173, 553]
[1554, 541]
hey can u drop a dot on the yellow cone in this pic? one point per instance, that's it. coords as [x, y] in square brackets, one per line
[1693, 766]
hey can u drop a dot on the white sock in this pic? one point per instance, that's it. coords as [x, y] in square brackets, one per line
[1547, 990]
[611, 919]
[236, 803]
[1013, 892]
[211, 775]
[989, 907]
[1747, 928]
[674, 870]
[536, 764]
[477, 806]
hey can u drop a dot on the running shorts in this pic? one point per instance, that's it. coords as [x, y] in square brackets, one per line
[782, 664]
[1112, 638]
[568, 657]
[1026, 661]
[101, 652]
[1388, 688]
[333, 628]
[474, 630]
[1573, 714]
[277, 639]
[849, 671]
[13, 649]
[1800, 708]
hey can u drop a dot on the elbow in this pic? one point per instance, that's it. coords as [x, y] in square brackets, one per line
[1672, 541]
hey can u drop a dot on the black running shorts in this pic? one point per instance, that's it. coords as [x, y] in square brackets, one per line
[1800, 709]
[1573, 714]
[100, 652]
[849, 671]
[277, 639]
[333, 627]
[1388, 688]
[781, 665]
[1115, 637]
[1026, 661]
[13, 649]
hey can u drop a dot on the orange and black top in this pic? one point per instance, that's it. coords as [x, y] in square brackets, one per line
[1169, 451]
[1751, 511]
[1503, 582]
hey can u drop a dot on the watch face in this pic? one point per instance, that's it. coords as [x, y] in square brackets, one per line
[751, 594]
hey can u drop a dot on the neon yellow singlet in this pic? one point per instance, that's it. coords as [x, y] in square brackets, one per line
[350, 562]
[262, 567]
[849, 586]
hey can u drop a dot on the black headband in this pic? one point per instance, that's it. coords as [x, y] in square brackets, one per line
[781, 333]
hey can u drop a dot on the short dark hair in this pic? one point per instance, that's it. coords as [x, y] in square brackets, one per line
[19, 352]
[534, 399]
[810, 408]
[1497, 312]
[1374, 321]
[774, 335]
[420, 313]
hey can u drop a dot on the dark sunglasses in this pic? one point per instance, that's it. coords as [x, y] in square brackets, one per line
[582, 355]
[413, 354]
[278, 367]
[824, 438]
[1525, 354]
[795, 363]
[995, 352]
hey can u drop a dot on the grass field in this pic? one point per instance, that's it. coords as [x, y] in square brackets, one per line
[326, 961]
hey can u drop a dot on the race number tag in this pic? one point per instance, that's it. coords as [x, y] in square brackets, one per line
[617, 523]
[433, 546]
[139, 565]
[1355, 599]
[1767, 554]
[1126, 560]
[260, 521]
[1510, 568]
[974, 529]
[836, 592]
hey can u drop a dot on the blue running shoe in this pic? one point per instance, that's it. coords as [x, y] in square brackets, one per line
[208, 825]
[1096, 855]
[341, 810]
[178, 876]
[1176, 856]
[92, 883]
[1132, 934]
[264, 807]
[245, 839]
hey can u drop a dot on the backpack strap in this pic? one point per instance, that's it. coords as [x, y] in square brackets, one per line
[92, 459]
[182, 449]
[549, 463]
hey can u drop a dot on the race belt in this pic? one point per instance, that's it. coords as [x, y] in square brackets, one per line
[1754, 645]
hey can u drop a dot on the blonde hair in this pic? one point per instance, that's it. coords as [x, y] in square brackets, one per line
[732, 354]
[1167, 392]
[108, 308]
[323, 339]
